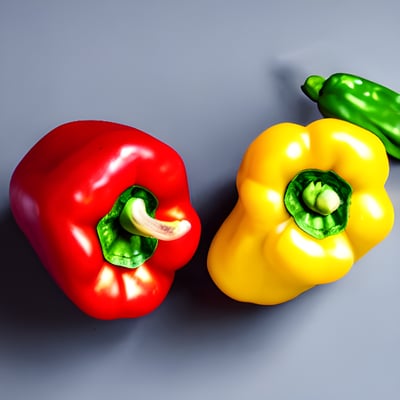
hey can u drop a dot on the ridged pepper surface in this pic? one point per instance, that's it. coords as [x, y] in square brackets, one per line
[107, 209]
[311, 202]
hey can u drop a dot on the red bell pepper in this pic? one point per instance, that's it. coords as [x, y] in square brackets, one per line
[107, 209]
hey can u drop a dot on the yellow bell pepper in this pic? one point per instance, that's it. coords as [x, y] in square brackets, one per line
[311, 202]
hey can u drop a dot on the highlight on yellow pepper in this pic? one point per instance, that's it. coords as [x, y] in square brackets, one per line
[311, 202]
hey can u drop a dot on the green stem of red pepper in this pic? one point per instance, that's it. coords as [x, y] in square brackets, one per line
[129, 233]
[135, 219]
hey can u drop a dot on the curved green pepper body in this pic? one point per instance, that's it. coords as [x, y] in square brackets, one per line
[361, 102]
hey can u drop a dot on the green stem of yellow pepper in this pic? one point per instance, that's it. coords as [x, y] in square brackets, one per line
[319, 202]
[321, 198]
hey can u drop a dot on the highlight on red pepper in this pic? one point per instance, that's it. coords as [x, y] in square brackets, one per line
[107, 209]
[312, 201]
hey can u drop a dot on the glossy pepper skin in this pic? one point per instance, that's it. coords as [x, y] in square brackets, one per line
[70, 181]
[311, 202]
[361, 102]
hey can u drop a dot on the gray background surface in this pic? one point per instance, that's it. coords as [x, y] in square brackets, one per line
[206, 77]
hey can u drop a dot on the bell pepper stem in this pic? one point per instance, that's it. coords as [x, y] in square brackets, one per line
[135, 219]
[319, 202]
[321, 198]
[313, 86]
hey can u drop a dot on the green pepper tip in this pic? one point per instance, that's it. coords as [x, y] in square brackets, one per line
[312, 86]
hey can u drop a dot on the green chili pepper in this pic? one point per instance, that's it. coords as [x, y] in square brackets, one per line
[361, 102]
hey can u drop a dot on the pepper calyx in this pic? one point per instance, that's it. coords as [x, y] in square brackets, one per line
[119, 246]
[319, 202]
